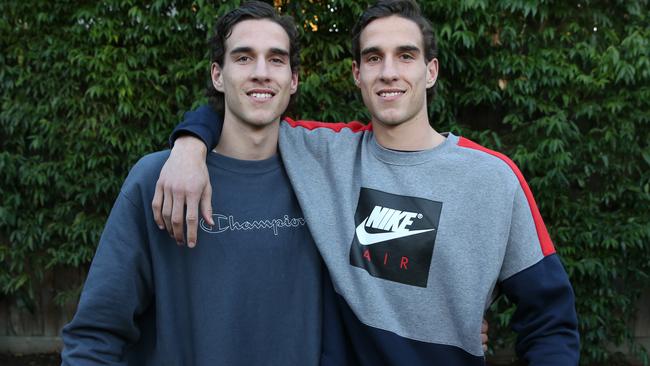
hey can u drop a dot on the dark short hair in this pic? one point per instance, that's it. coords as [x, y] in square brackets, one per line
[223, 30]
[407, 9]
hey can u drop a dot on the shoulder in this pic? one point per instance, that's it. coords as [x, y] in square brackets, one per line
[320, 137]
[148, 165]
[489, 162]
[354, 126]
[144, 174]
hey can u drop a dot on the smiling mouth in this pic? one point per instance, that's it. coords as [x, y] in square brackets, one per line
[390, 93]
[260, 95]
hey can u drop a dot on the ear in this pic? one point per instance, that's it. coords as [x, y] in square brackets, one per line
[217, 77]
[356, 73]
[432, 72]
[294, 82]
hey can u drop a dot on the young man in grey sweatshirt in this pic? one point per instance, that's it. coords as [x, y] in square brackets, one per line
[419, 230]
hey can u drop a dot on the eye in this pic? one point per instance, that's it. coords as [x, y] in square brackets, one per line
[373, 59]
[243, 59]
[407, 57]
[277, 60]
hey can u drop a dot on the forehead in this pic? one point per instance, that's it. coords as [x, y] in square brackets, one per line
[391, 32]
[257, 34]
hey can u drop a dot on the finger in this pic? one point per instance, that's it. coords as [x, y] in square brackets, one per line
[168, 202]
[156, 205]
[191, 219]
[177, 217]
[484, 336]
[206, 204]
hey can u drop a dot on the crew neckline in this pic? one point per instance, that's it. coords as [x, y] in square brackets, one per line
[396, 157]
[244, 166]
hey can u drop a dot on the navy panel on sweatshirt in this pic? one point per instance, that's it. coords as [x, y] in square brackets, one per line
[548, 313]
[376, 347]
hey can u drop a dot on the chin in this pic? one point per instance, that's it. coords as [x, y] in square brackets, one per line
[390, 119]
[262, 121]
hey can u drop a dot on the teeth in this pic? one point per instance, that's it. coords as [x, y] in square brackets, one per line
[390, 94]
[261, 95]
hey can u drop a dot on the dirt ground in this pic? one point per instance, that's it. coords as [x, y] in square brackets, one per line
[40, 360]
[52, 360]
[30, 360]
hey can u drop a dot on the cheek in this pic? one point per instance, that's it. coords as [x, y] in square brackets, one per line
[365, 88]
[366, 73]
[227, 85]
[365, 82]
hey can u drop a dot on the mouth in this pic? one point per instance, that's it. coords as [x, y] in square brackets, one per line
[261, 95]
[390, 94]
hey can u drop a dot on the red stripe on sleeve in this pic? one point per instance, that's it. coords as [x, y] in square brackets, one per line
[542, 233]
[336, 127]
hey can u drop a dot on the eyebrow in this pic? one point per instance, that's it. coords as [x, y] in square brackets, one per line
[408, 48]
[368, 50]
[279, 52]
[405, 48]
[273, 51]
[241, 50]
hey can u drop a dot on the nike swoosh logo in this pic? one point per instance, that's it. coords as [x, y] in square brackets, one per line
[366, 238]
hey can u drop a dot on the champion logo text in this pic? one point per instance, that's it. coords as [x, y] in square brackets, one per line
[229, 223]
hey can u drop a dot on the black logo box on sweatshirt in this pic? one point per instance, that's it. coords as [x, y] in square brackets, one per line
[395, 236]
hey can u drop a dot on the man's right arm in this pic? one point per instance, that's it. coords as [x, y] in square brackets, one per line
[183, 187]
[118, 288]
[184, 179]
[203, 123]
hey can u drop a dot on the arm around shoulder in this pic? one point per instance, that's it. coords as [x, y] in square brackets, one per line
[203, 123]
[184, 185]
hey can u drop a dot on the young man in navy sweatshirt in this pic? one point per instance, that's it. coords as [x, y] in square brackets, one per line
[419, 230]
[254, 292]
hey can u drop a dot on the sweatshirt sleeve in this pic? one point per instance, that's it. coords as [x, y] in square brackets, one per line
[118, 288]
[206, 124]
[545, 319]
[203, 123]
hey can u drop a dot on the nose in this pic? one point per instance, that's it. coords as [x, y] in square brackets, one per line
[261, 70]
[388, 70]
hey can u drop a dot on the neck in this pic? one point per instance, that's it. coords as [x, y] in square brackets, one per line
[413, 135]
[247, 142]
